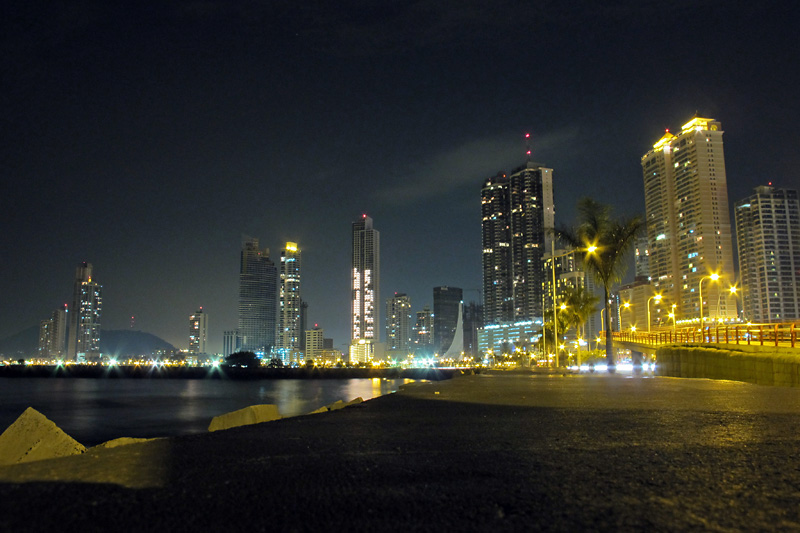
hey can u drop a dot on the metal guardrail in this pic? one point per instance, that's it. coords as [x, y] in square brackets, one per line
[784, 335]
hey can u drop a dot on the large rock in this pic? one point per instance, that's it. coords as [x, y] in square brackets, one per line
[33, 437]
[121, 441]
[255, 414]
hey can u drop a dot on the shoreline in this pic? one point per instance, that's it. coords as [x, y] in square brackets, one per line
[222, 373]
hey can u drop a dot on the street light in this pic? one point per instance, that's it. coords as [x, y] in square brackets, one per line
[626, 305]
[657, 298]
[712, 277]
[672, 316]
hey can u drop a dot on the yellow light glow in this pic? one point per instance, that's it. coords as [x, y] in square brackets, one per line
[697, 124]
[663, 141]
[291, 246]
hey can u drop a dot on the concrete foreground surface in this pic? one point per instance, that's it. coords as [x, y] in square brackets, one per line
[476, 453]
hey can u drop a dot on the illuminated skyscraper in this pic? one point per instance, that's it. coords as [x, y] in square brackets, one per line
[517, 214]
[258, 284]
[290, 331]
[423, 330]
[198, 332]
[365, 285]
[768, 235]
[398, 322]
[688, 220]
[84, 316]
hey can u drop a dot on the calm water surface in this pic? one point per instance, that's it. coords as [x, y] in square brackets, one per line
[96, 410]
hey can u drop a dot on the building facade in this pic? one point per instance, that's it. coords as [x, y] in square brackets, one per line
[198, 332]
[688, 222]
[768, 238]
[517, 216]
[290, 327]
[398, 322]
[446, 307]
[258, 284]
[422, 331]
[230, 342]
[84, 316]
[53, 335]
[365, 286]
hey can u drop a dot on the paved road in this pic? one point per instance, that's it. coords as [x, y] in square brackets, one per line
[476, 453]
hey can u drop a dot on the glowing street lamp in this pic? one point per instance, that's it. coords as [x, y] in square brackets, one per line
[627, 306]
[657, 298]
[712, 277]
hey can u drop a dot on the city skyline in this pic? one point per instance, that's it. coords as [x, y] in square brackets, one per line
[148, 141]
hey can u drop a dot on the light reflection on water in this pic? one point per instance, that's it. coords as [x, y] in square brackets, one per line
[96, 410]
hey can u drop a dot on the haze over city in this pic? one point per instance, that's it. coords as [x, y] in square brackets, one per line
[149, 140]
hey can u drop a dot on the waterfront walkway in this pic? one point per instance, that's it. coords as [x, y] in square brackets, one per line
[476, 453]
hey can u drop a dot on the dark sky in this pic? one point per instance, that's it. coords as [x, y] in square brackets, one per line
[148, 139]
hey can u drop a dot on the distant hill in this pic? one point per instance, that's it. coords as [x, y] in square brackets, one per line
[123, 342]
[119, 342]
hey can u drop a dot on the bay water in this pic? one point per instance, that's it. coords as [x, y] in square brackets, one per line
[96, 410]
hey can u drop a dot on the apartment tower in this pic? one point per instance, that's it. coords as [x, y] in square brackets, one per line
[258, 280]
[517, 217]
[290, 328]
[768, 237]
[365, 285]
[688, 222]
[84, 316]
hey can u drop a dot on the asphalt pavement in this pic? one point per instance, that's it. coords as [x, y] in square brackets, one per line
[509, 452]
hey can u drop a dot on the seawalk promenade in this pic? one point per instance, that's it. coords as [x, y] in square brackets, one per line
[501, 452]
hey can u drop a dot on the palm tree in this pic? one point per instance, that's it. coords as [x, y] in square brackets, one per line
[564, 323]
[606, 241]
[581, 304]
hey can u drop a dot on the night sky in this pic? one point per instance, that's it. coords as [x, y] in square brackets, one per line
[148, 140]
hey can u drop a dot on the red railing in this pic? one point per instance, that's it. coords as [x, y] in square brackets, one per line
[784, 334]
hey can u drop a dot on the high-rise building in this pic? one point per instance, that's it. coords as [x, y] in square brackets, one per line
[422, 331]
[53, 334]
[365, 285]
[517, 214]
[398, 322]
[290, 332]
[84, 315]
[314, 343]
[768, 237]
[198, 332]
[258, 281]
[446, 302]
[688, 220]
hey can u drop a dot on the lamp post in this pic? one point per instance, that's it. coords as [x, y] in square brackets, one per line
[733, 289]
[712, 277]
[657, 298]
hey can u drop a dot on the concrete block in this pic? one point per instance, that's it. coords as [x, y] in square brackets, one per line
[338, 404]
[254, 414]
[122, 441]
[33, 437]
[354, 401]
